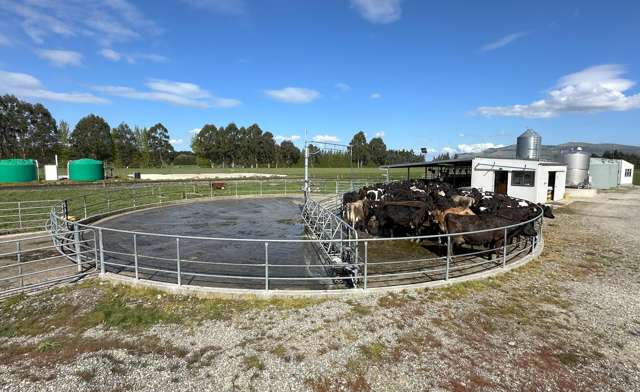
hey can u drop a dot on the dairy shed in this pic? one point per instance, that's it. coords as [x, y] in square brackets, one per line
[533, 180]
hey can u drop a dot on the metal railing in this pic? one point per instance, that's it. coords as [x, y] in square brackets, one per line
[253, 263]
[20, 216]
[336, 240]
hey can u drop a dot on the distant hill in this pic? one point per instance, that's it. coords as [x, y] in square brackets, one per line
[553, 152]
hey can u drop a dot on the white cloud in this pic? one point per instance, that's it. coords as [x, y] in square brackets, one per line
[502, 42]
[595, 89]
[280, 138]
[477, 147]
[375, 96]
[111, 54]
[461, 135]
[293, 95]
[378, 11]
[175, 93]
[105, 21]
[60, 58]
[326, 138]
[176, 142]
[225, 102]
[131, 58]
[4, 40]
[447, 150]
[195, 131]
[343, 87]
[218, 6]
[27, 86]
[379, 134]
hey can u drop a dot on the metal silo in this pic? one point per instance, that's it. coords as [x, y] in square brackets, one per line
[528, 146]
[577, 162]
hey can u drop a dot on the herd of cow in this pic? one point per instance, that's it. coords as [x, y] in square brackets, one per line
[419, 208]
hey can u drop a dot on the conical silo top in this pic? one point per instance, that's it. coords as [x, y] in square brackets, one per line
[529, 133]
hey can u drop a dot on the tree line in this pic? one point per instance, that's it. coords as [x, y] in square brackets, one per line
[231, 146]
[29, 131]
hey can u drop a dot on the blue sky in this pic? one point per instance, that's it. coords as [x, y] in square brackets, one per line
[450, 75]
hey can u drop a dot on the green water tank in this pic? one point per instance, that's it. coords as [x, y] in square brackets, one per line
[86, 170]
[18, 170]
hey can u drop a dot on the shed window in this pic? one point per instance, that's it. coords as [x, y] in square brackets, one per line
[523, 178]
[627, 172]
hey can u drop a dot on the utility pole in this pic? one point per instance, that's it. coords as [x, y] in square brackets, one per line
[306, 167]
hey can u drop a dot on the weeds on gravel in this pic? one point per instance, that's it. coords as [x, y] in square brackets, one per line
[279, 351]
[253, 362]
[359, 309]
[353, 383]
[70, 348]
[86, 375]
[48, 345]
[115, 313]
[373, 351]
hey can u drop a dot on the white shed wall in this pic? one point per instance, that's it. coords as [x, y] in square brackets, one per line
[624, 166]
[482, 177]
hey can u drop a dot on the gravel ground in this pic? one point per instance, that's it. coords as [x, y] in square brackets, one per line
[568, 321]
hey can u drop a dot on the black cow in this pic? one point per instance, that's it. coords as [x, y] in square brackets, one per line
[493, 239]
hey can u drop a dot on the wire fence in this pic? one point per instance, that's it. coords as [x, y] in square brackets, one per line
[331, 257]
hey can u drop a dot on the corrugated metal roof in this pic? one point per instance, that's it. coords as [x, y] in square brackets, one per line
[529, 132]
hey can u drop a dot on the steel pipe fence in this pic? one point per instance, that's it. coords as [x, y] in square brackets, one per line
[21, 216]
[333, 256]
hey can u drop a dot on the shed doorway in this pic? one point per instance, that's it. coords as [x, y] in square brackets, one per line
[500, 181]
[551, 186]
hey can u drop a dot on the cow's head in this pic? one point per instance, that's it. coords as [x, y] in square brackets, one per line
[547, 211]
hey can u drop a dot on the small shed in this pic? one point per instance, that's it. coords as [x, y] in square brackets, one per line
[610, 173]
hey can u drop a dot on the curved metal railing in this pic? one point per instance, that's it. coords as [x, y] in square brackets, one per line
[260, 265]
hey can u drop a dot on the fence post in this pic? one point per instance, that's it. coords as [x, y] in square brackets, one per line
[76, 240]
[20, 215]
[84, 204]
[504, 249]
[135, 255]
[266, 266]
[446, 275]
[178, 261]
[211, 190]
[18, 251]
[101, 251]
[366, 260]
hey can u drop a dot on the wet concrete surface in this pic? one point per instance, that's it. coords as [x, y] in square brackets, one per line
[228, 260]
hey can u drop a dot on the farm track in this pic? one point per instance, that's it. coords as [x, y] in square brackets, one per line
[569, 320]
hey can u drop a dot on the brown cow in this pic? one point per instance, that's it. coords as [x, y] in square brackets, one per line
[441, 215]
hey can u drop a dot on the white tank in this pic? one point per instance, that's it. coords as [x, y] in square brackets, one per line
[528, 145]
[577, 161]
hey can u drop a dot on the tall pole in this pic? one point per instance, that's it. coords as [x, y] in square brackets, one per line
[306, 167]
